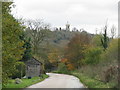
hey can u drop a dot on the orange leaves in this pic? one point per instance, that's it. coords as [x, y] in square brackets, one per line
[70, 66]
[52, 57]
[64, 60]
[76, 47]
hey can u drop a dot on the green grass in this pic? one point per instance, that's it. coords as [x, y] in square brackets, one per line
[25, 82]
[91, 82]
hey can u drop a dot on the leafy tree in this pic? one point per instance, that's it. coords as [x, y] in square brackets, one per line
[92, 55]
[96, 41]
[62, 68]
[54, 57]
[64, 60]
[28, 52]
[12, 49]
[111, 53]
[75, 49]
[20, 70]
[69, 65]
[105, 39]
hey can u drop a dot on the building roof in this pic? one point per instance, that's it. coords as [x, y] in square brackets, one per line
[33, 61]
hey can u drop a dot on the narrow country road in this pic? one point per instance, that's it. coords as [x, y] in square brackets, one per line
[59, 81]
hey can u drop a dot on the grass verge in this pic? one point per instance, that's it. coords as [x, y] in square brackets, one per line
[25, 82]
[91, 82]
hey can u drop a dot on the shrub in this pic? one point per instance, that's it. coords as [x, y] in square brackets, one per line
[20, 70]
[62, 68]
[70, 66]
[111, 73]
[96, 41]
[92, 55]
[111, 54]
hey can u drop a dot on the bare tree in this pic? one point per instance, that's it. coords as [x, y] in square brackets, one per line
[37, 30]
[113, 31]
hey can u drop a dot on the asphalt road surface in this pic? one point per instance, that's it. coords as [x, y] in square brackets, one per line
[59, 81]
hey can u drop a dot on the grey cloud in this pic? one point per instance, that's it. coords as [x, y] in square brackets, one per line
[77, 12]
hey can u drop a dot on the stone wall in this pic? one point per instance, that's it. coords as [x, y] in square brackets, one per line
[33, 70]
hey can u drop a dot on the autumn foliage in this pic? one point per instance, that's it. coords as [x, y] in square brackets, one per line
[69, 65]
[75, 49]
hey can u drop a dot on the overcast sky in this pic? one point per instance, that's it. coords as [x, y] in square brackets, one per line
[87, 14]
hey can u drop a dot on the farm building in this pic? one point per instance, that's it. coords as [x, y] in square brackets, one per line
[33, 68]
